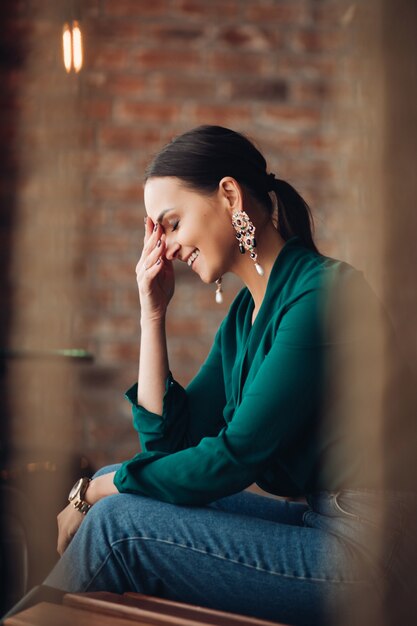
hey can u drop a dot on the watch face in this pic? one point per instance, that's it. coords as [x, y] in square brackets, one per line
[74, 491]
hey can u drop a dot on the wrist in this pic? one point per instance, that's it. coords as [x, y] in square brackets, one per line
[90, 494]
[99, 488]
[152, 321]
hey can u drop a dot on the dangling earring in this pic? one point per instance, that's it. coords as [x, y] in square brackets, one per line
[219, 292]
[245, 234]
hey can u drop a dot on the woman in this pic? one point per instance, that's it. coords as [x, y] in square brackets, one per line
[267, 406]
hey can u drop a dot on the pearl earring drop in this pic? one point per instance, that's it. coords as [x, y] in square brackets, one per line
[245, 234]
[219, 293]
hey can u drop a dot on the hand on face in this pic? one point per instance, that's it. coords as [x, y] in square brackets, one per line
[154, 273]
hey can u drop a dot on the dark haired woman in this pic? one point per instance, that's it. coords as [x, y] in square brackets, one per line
[176, 520]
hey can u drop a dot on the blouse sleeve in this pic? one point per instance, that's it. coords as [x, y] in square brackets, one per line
[187, 414]
[276, 408]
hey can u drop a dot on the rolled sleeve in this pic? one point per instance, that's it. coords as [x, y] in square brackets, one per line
[161, 432]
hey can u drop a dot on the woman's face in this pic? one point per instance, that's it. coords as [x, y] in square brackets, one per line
[197, 228]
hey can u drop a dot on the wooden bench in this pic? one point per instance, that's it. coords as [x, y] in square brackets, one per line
[109, 609]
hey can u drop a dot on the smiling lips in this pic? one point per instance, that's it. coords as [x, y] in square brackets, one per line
[193, 257]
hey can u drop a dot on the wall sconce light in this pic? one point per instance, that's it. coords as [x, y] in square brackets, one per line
[72, 46]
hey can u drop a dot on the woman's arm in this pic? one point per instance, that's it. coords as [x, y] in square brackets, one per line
[153, 365]
[187, 414]
[155, 278]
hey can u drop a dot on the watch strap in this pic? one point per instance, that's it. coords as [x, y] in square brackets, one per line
[77, 499]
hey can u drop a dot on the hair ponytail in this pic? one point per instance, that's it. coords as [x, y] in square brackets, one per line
[294, 214]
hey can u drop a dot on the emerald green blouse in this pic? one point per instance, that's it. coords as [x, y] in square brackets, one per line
[258, 409]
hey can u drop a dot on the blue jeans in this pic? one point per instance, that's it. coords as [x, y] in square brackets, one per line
[284, 561]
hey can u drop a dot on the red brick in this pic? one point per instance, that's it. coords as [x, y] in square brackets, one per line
[333, 13]
[44, 138]
[106, 58]
[184, 326]
[116, 190]
[125, 137]
[129, 218]
[145, 112]
[127, 300]
[201, 9]
[123, 352]
[306, 65]
[51, 111]
[262, 89]
[322, 144]
[222, 115]
[100, 299]
[318, 170]
[113, 84]
[96, 109]
[112, 163]
[280, 140]
[135, 8]
[320, 90]
[116, 271]
[127, 31]
[286, 12]
[115, 326]
[91, 8]
[250, 37]
[309, 40]
[105, 243]
[241, 62]
[178, 34]
[160, 59]
[290, 117]
[94, 216]
[309, 91]
[182, 86]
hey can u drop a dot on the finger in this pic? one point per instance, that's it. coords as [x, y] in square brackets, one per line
[62, 544]
[149, 228]
[150, 253]
[152, 238]
[152, 271]
[149, 260]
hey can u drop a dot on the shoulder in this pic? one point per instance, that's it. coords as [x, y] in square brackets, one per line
[309, 270]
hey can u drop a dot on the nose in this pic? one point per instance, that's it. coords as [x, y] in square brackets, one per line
[172, 248]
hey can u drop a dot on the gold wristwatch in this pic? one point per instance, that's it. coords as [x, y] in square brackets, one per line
[77, 494]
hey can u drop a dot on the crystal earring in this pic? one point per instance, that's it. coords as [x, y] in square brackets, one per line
[219, 292]
[245, 234]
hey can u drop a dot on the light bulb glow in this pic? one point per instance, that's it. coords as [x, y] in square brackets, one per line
[77, 47]
[67, 47]
[72, 47]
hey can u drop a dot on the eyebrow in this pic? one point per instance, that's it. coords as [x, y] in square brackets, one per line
[161, 215]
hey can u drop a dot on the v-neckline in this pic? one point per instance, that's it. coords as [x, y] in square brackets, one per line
[251, 329]
[251, 307]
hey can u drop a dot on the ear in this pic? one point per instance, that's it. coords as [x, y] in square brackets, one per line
[231, 193]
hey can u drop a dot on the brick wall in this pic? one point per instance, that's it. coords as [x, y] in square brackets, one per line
[277, 70]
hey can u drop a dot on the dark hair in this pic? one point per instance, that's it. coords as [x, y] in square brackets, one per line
[202, 156]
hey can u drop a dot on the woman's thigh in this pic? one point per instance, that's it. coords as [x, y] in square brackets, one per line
[211, 557]
[248, 503]
[262, 507]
